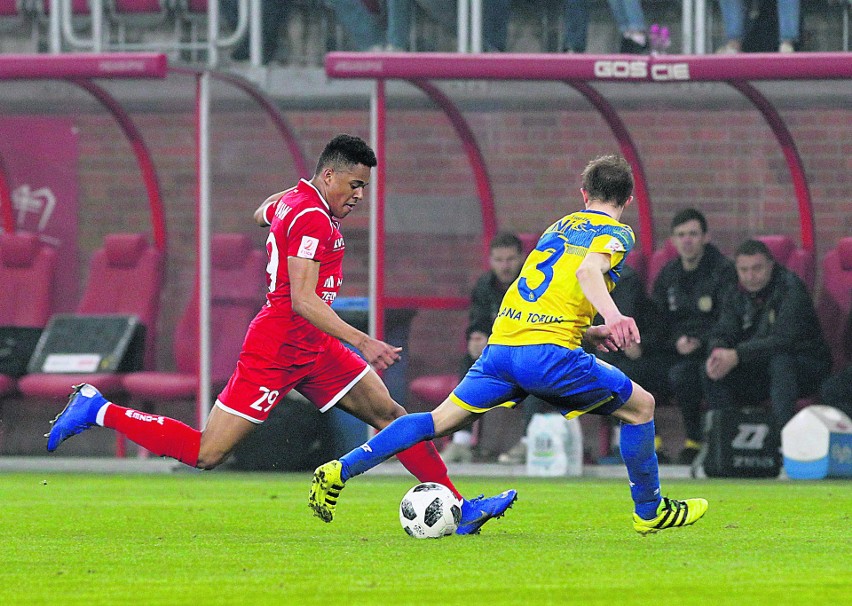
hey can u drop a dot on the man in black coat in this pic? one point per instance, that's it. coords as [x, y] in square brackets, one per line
[686, 296]
[767, 342]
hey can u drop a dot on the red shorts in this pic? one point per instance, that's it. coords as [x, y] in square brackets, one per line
[258, 383]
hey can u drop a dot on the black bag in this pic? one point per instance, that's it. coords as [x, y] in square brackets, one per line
[295, 437]
[742, 443]
[17, 344]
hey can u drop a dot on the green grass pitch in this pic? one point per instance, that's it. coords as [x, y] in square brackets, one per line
[225, 538]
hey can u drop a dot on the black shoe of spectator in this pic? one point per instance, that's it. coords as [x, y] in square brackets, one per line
[631, 47]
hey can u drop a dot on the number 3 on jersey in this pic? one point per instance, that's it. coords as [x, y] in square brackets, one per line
[266, 401]
[554, 249]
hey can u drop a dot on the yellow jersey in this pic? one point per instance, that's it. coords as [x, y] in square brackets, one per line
[545, 304]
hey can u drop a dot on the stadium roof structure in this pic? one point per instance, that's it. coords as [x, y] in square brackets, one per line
[580, 72]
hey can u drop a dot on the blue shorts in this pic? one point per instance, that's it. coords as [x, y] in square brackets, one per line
[573, 381]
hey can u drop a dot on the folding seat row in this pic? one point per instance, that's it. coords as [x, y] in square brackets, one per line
[125, 278]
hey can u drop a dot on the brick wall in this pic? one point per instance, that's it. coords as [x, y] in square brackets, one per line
[722, 160]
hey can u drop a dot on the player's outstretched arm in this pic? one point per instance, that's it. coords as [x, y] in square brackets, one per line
[590, 275]
[260, 212]
[304, 274]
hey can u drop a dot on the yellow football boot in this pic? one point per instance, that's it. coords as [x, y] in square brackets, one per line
[671, 514]
[325, 490]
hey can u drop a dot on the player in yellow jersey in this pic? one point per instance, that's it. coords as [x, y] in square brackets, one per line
[536, 348]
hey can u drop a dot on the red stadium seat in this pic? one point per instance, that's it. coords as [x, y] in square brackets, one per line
[636, 259]
[835, 302]
[658, 260]
[528, 241]
[237, 288]
[430, 390]
[798, 260]
[125, 277]
[26, 273]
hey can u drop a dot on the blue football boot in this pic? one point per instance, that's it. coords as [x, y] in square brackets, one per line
[476, 512]
[79, 414]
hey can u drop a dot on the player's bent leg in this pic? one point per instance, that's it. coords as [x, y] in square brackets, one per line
[370, 401]
[221, 435]
[160, 435]
[652, 513]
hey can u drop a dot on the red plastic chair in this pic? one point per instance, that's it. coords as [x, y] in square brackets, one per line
[658, 260]
[125, 277]
[835, 302]
[27, 268]
[237, 288]
[26, 272]
[798, 260]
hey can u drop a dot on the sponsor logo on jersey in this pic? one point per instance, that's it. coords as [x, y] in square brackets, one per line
[308, 247]
[329, 282]
[614, 245]
[338, 244]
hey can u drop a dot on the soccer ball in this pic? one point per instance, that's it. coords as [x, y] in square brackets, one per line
[429, 511]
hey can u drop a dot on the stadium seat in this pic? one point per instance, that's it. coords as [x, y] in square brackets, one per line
[125, 277]
[636, 259]
[528, 241]
[237, 288]
[658, 260]
[429, 391]
[797, 260]
[26, 272]
[835, 302]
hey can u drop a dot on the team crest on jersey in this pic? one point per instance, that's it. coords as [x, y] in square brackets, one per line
[308, 247]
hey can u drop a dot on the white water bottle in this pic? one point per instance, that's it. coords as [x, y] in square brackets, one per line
[554, 446]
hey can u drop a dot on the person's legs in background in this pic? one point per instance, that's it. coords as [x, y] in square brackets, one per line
[364, 28]
[630, 20]
[791, 377]
[733, 18]
[788, 24]
[399, 24]
[575, 25]
[495, 24]
[517, 454]
[685, 379]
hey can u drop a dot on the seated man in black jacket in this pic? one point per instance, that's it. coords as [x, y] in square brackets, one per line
[767, 342]
[687, 295]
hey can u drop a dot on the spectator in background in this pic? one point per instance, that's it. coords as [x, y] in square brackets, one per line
[630, 20]
[687, 294]
[367, 30]
[460, 448]
[734, 19]
[767, 341]
[637, 360]
[575, 26]
[495, 17]
[837, 389]
[272, 14]
[365, 27]
[505, 258]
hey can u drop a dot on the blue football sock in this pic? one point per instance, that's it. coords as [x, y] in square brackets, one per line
[637, 450]
[401, 434]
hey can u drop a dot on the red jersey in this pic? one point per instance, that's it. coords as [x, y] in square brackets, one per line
[301, 226]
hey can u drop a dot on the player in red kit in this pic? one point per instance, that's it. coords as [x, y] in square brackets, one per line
[294, 342]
